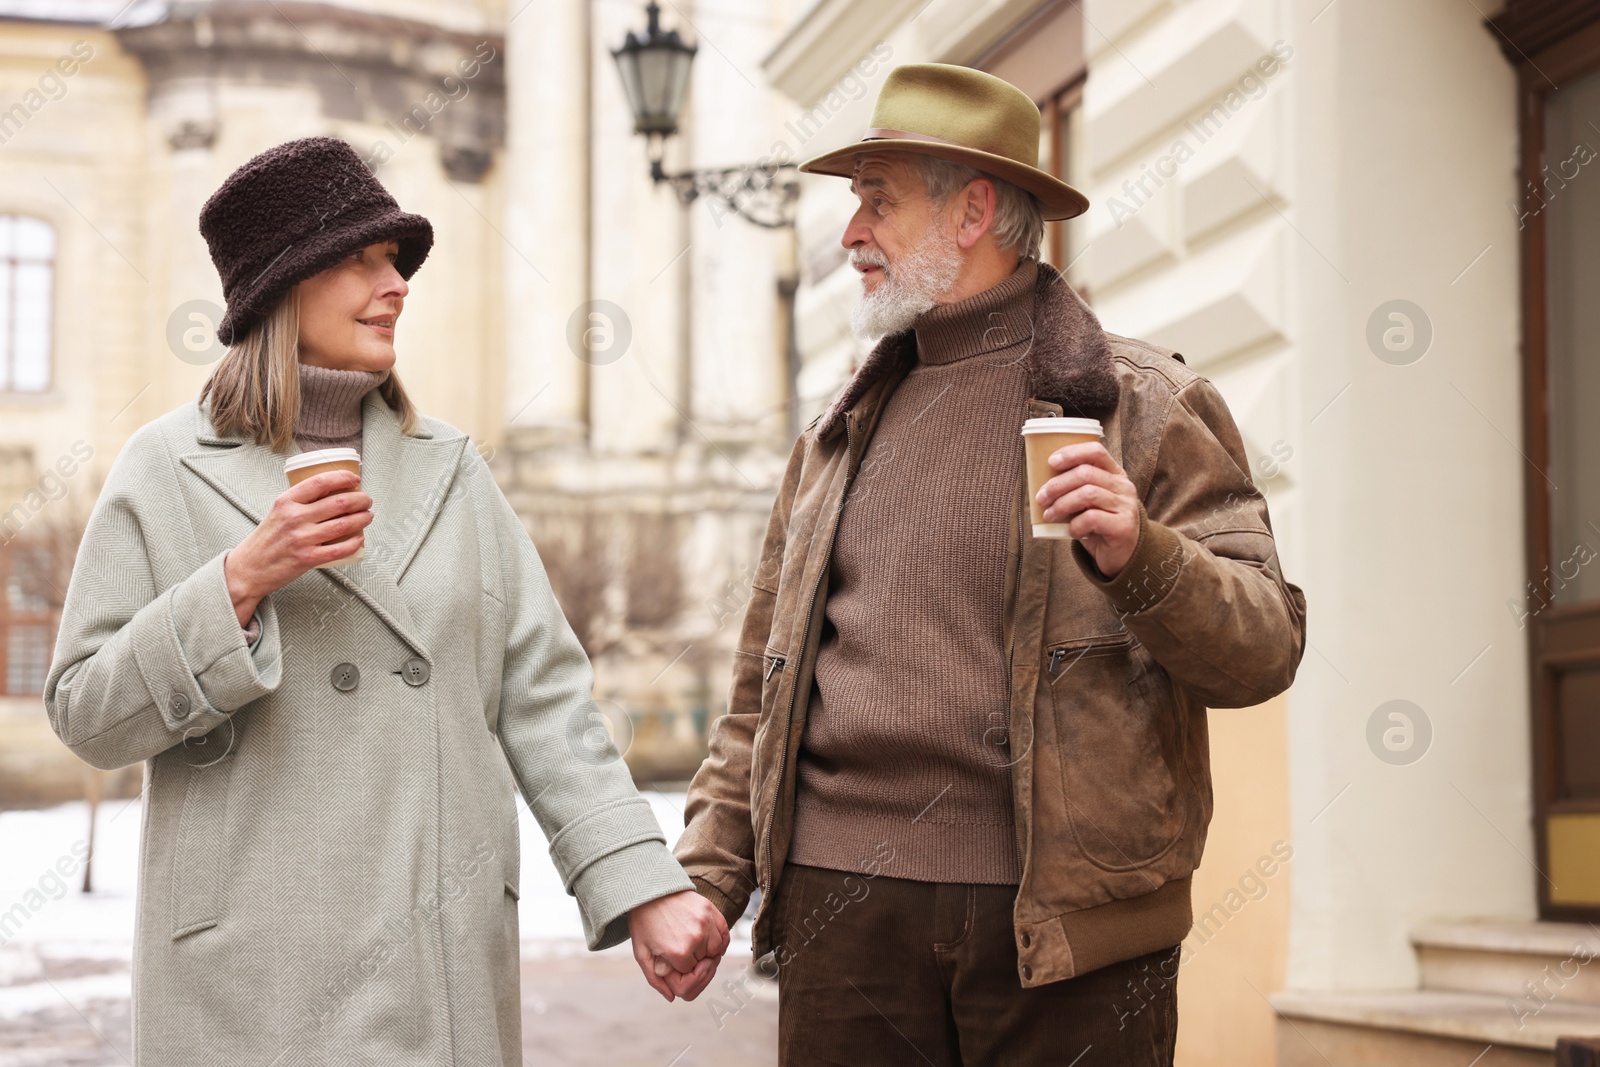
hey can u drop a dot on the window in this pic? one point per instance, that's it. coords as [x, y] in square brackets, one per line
[27, 279]
[27, 617]
[1061, 114]
[1043, 56]
[27, 658]
[1570, 201]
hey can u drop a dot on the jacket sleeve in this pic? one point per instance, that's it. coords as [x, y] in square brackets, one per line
[604, 839]
[1203, 591]
[146, 657]
[718, 843]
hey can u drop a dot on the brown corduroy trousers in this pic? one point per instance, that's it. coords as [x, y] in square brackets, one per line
[879, 972]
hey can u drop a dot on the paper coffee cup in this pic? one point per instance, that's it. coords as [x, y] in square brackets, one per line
[298, 468]
[1041, 438]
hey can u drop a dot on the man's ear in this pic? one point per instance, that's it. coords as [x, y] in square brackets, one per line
[976, 205]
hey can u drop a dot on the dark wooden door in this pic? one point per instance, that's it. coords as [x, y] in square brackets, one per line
[1555, 46]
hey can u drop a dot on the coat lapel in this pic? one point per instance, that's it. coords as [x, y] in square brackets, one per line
[409, 478]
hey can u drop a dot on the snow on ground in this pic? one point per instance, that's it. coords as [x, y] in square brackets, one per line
[85, 940]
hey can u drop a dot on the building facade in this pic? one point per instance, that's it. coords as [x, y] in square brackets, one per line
[622, 361]
[1363, 221]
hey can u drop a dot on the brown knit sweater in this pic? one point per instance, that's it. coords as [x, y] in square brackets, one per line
[330, 417]
[905, 743]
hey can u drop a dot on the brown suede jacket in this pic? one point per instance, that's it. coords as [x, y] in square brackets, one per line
[1110, 679]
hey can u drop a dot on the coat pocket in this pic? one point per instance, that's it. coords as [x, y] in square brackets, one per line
[1120, 749]
[199, 896]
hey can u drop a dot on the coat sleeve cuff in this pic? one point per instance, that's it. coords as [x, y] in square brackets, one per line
[618, 882]
[1150, 573]
[219, 672]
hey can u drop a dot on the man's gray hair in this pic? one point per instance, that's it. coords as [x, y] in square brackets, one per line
[1018, 223]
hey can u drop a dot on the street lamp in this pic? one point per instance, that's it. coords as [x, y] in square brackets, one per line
[654, 68]
[655, 73]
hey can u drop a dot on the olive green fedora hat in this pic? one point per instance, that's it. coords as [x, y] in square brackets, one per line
[962, 115]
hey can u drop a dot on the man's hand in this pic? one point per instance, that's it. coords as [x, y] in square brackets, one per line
[1097, 502]
[678, 940]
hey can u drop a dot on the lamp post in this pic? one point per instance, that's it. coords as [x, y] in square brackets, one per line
[655, 74]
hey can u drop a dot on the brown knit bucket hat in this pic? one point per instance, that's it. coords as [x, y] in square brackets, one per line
[294, 211]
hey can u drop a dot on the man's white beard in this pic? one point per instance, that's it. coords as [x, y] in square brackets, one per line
[910, 287]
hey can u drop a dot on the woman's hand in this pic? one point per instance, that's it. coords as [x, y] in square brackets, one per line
[312, 523]
[678, 940]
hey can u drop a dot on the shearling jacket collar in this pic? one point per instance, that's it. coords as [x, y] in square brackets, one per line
[1069, 361]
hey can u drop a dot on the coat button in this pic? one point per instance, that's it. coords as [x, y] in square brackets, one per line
[1027, 939]
[179, 705]
[1027, 971]
[346, 677]
[415, 671]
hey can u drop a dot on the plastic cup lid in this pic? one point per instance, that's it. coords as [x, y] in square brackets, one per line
[1063, 425]
[321, 455]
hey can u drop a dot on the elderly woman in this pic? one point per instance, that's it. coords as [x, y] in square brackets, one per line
[329, 864]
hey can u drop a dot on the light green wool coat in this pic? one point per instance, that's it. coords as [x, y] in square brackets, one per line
[329, 875]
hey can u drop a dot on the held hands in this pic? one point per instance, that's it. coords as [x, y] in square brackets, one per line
[678, 940]
[1097, 502]
[311, 523]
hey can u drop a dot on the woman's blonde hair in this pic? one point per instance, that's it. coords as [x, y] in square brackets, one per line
[256, 388]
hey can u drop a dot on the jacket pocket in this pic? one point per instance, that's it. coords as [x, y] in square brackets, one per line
[766, 754]
[1120, 748]
[774, 671]
[775, 661]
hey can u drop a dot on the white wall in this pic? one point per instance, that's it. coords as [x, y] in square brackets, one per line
[1411, 531]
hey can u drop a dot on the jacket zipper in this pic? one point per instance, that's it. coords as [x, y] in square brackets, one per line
[1056, 656]
[805, 636]
[776, 665]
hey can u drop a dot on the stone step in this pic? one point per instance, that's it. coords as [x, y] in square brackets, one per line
[1421, 1028]
[1527, 963]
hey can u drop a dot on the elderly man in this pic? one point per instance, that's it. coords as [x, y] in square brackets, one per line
[967, 766]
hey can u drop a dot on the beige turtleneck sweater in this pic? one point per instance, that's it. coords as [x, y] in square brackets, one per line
[330, 406]
[330, 417]
[905, 743]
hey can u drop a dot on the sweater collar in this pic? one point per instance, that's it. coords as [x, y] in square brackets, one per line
[998, 317]
[330, 400]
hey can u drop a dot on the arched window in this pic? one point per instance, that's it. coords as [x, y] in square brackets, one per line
[27, 282]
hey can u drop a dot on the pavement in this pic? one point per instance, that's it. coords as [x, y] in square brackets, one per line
[60, 1007]
[65, 960]
[597, 1010]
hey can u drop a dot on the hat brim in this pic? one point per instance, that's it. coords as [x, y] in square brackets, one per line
[413, 232]
[1057, 199]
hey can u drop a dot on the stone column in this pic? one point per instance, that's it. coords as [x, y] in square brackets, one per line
[737, 346]
[638, 248]
[546, 216]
